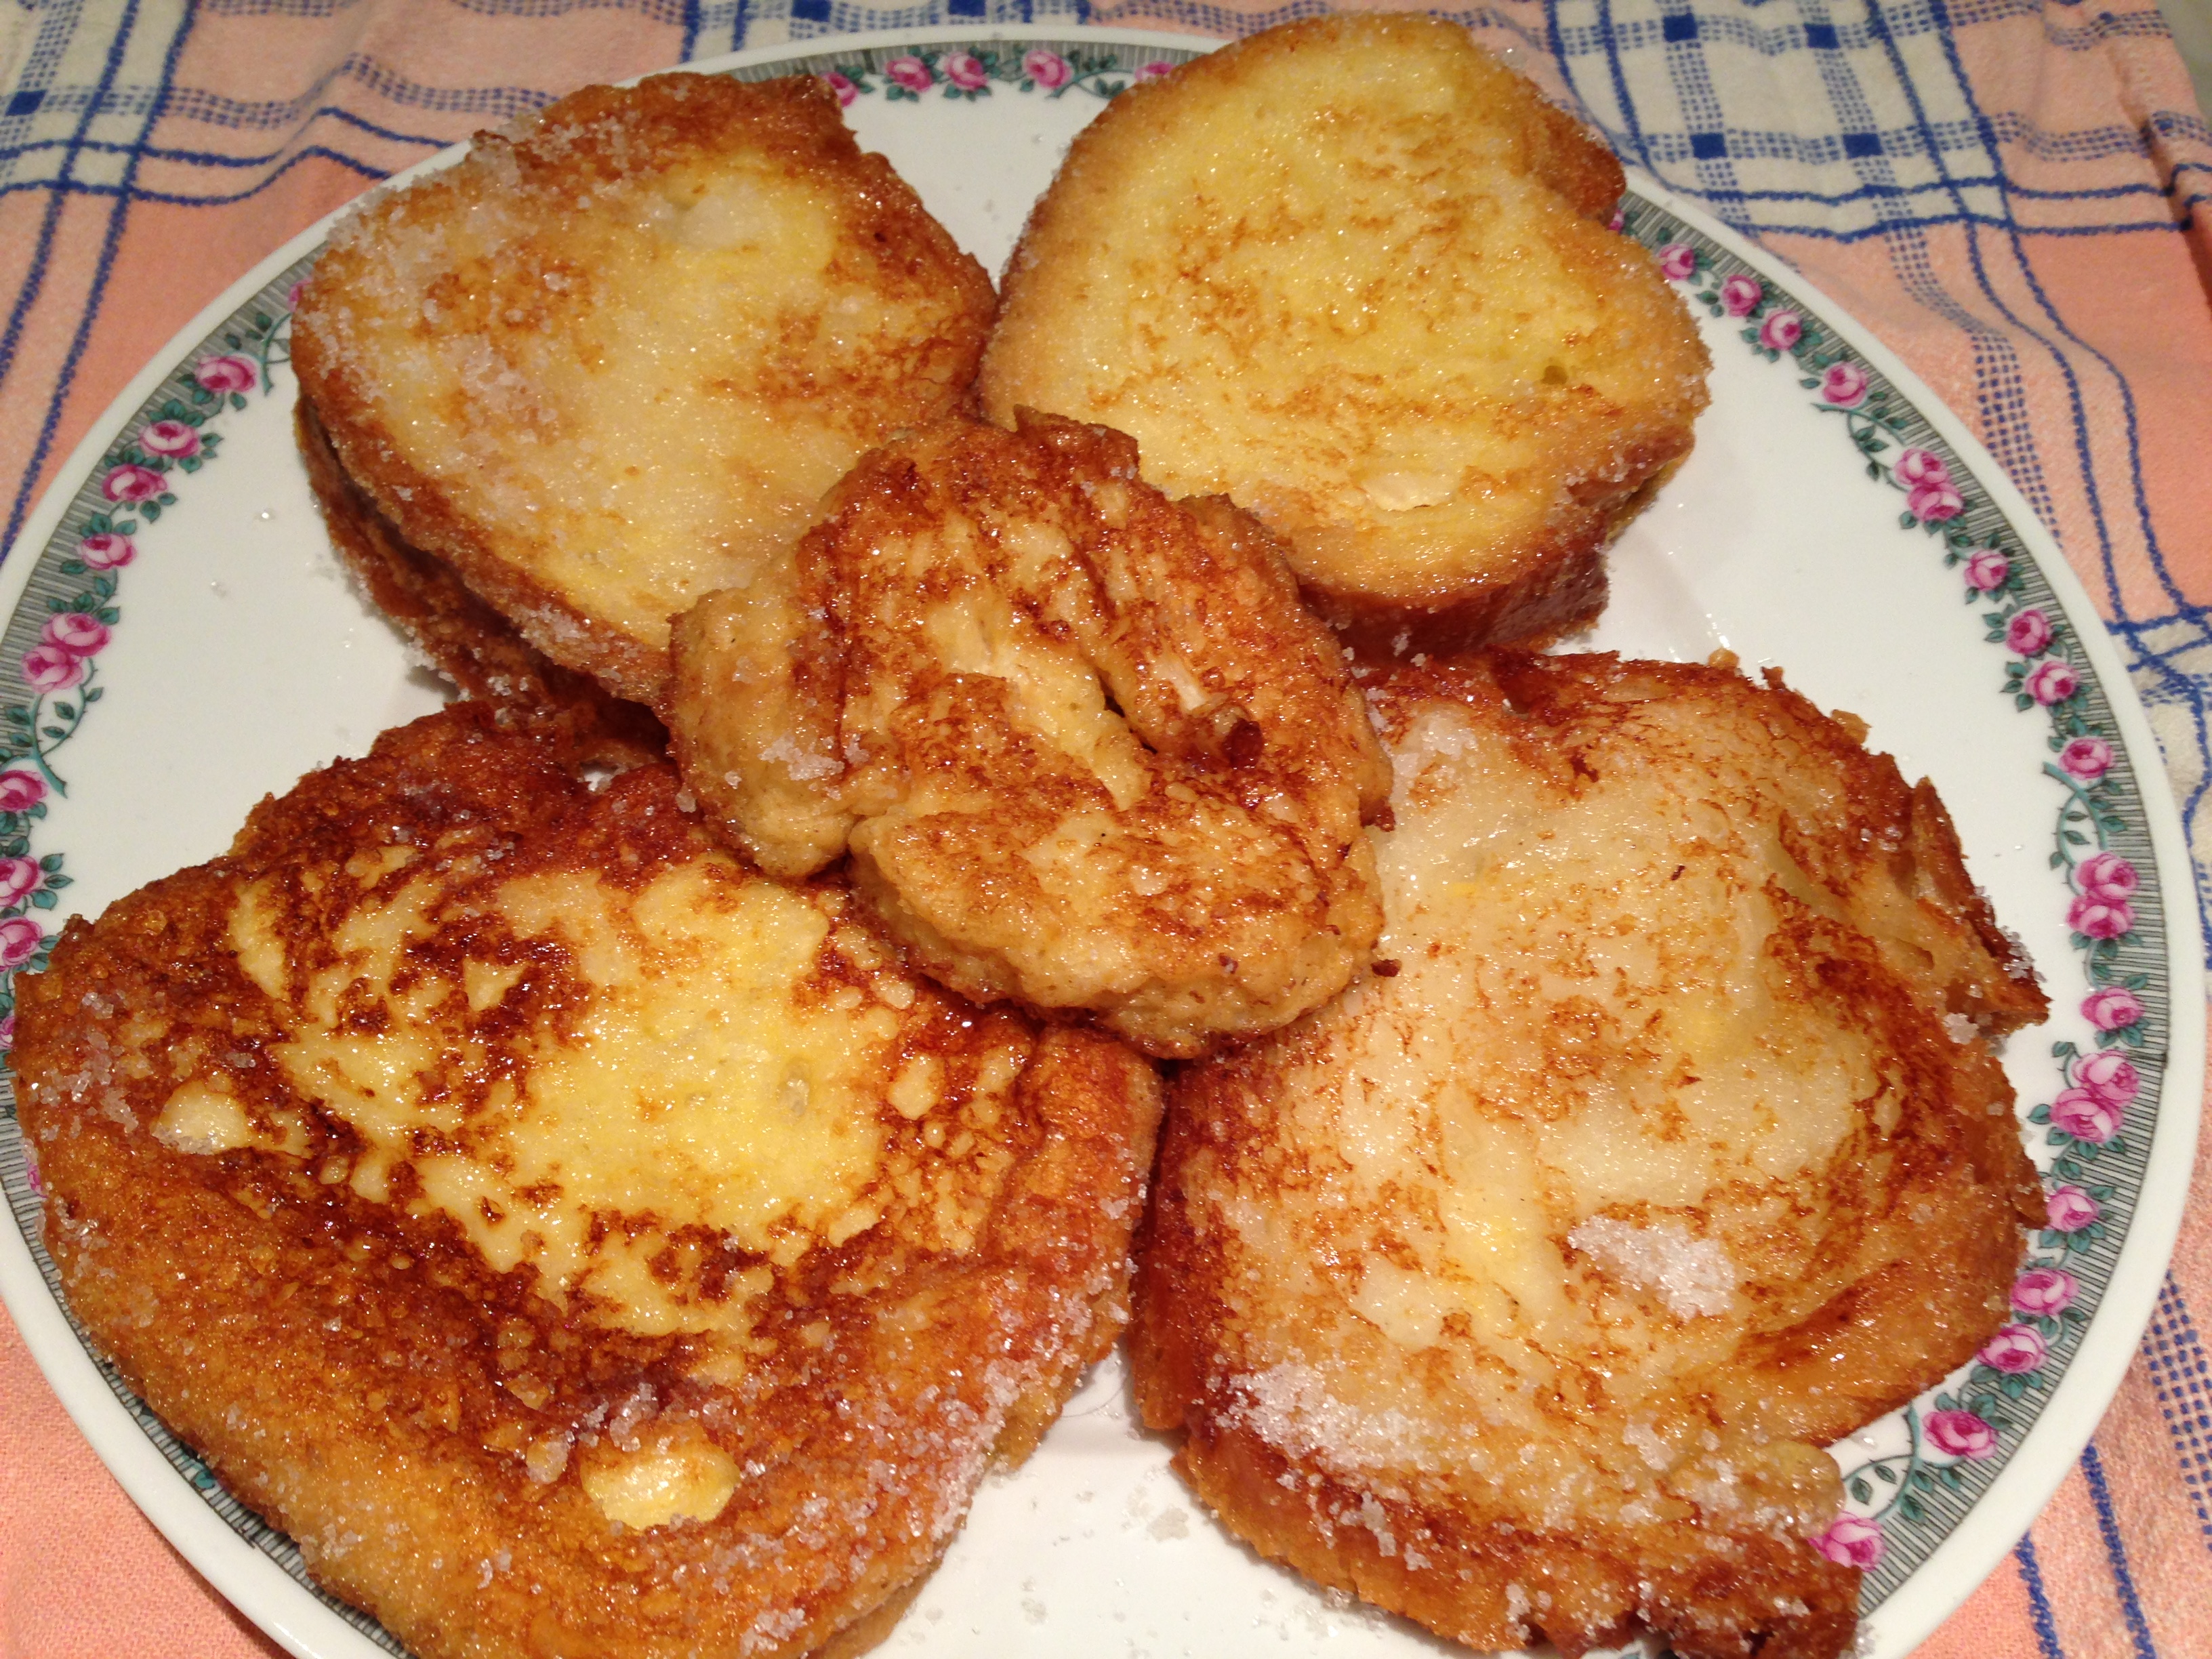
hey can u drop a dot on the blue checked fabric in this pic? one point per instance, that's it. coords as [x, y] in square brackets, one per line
[2014, 194]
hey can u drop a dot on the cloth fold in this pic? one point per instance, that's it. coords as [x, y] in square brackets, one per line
[2013, 195]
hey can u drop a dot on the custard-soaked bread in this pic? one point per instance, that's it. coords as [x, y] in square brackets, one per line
[461, 636]
[580, 1243]
[610, 361]
[1087, 749]
[1357, 276]
[1518, 1290]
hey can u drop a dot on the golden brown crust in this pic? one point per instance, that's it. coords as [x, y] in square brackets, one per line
[467, 640]
[610, 361]
[1555, 589]
[1357, 276]
[1517, 1291]
[1674, 1579]
[427, 1426]
[1086, 747]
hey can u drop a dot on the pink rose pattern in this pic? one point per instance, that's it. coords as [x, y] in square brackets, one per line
[19, 879]
[2113, 1009]
[2087, 759]
[1741, 294]
[1845, 386]
[19, 940]
[227, 375]
[2110, 1076]
[1936, 503]
[172, 440]
[1781, 330]
[48, 668]
[133, 483]
[2100, 1086]
[909, 72]
[1920, 466]
[2108, 876]
[2068, 1209]
[964, 74]
[66, 644]
[1047, 68]
[2101, 918]
[2014, 1350]
[132, 486]
[2044, 1292]
[1959, 1434]
[108, 551]
[2051, 681]
[2029, 632]
[2082, 1115]
[1852, 1541]
[25, 882]
[2100, 909]
[2088, 1118]
[1930, 495]
[1987, 569]
[76, 632]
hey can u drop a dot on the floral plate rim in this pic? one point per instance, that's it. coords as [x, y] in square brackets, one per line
[1942, 1580]
[295, 1616]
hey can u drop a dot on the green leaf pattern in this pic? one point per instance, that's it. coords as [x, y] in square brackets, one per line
[1953, 1440]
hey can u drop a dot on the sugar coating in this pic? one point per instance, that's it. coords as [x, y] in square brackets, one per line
[1692, 1276]
[1356, 275]
[1516, 1266]
[442, 1474]
[609, 361]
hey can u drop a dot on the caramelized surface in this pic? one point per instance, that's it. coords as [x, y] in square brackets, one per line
[610, 361]
[1087, 749]
[1354, 274]
[577, 1241]
[1518, 1290]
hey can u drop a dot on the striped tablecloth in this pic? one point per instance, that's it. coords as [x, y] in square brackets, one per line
[2013, 195]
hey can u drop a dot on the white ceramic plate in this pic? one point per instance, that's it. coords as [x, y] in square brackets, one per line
[181, 642]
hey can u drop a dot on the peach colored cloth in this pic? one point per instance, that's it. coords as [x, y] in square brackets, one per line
[2013, 195]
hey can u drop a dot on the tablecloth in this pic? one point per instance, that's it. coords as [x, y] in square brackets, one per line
[2013, 195]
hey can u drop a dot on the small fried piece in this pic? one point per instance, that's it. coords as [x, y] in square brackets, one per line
[1518, 1290]
[580, 1243]
[1086, 746]
[610, 362]
[1356, 275]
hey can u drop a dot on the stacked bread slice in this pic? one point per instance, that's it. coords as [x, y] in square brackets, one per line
[629, 1215]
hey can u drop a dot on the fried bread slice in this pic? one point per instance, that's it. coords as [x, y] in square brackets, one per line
[580, 1243]
[1356, 275]
[462, 638]
[1086, 746]
[610, 362]
[1519, 1290]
